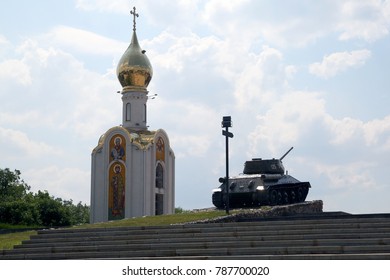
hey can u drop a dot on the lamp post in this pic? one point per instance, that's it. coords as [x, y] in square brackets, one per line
[226, 123]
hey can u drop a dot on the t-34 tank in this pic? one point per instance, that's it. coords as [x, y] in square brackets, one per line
[263, 182]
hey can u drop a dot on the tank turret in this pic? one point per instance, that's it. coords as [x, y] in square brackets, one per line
[263, 182]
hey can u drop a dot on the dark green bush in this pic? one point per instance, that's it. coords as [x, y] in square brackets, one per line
[18, 206]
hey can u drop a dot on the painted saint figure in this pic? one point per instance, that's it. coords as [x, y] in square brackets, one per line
[117, 194]
[117, 152]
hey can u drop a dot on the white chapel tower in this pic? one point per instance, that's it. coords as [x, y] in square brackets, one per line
[133, 168]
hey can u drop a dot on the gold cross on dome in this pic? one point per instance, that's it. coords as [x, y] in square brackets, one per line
[134, 16]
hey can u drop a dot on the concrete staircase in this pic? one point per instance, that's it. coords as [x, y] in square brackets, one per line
[309, 237]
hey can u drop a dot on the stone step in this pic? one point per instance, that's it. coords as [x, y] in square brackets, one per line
[254, 232]
[211, 238]
[337, 249]
[367, 256]
[214, 252]
[276, 229]
[266, 222]
[230, 232]
[204, 245]
[213, 226]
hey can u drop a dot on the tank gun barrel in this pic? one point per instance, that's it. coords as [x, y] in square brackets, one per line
[283, 156]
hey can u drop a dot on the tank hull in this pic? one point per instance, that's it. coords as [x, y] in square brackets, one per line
[259, 190]
[263, 182]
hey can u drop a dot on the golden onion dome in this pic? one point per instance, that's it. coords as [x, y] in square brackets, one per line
[134, 70]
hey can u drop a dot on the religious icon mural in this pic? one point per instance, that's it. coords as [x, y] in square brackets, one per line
[116, 191]
[117, 173]
[160, 149]
[117, 148]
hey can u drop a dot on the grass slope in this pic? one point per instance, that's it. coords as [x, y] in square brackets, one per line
[7, 241]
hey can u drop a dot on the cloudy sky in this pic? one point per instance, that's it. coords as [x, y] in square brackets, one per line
[309, 74]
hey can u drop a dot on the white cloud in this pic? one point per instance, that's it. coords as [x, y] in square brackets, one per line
[3, 40]
[338, 62]
[368, 20]
[16, 144]
[165, 14]
[191, 126]
[287, 121]
[260, 78]
[32, 118]
[102, 5]
[191, 67]
[84, 41]
[172, 52]
[373, 133]
[214, 7]
[298, 24]
[344, 130]
[63, 182]
[75, 98]
[5, 45]
[353, 176]
[377, 132]
[15, 70]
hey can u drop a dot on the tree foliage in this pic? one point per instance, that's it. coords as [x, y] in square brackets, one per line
[20, 206]
[12, 187]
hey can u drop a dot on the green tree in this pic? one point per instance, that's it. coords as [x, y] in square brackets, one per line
[52, 212]
[80, 213]
[12, 187]
[20, 206]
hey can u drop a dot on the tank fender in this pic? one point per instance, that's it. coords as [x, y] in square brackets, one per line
[271, 176]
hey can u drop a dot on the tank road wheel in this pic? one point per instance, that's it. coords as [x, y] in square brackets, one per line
[224, 199]
[285, 198]
[217, 200]
[255, 199]
[280, 197]
[273, 197]
[293, 196]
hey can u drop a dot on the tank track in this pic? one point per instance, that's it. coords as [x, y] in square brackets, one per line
[279, 194]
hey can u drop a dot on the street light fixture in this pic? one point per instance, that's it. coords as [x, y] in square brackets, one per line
[226, 123]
